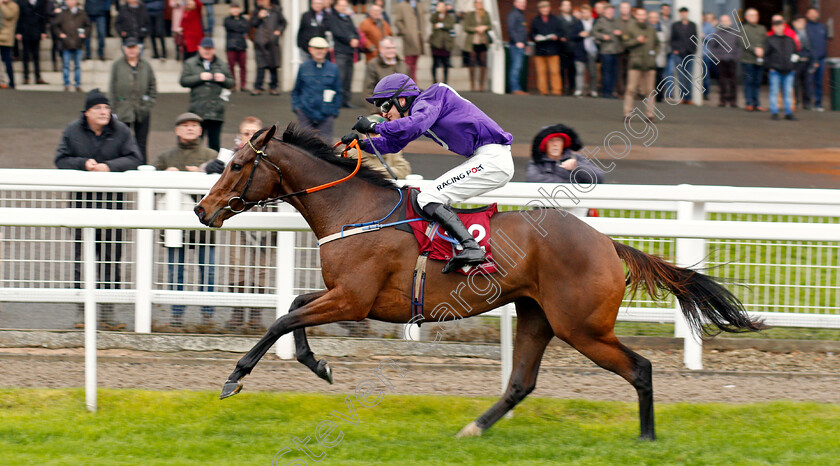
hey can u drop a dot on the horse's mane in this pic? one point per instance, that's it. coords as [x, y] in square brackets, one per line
[310, 142]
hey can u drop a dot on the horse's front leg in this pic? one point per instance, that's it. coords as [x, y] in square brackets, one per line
[333, 306]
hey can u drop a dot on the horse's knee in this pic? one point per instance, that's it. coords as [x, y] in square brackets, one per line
[518, 391]
[642, 374]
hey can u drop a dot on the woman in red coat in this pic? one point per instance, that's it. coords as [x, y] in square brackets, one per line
[191, 27]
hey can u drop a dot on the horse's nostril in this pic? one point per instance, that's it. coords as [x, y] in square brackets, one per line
[199, 211]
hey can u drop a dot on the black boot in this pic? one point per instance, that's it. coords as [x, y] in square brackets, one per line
[472, 253]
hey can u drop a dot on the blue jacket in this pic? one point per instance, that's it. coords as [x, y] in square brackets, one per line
[155, 6]
[443, 115]
[97, 7]
[308, 94]
[818, 36]
[517, 27]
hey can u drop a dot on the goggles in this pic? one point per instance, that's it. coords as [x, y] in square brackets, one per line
[383, 104]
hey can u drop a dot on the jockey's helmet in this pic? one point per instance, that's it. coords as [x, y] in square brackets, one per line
[390, 88]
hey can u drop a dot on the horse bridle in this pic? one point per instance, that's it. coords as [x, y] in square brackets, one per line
[261, 155]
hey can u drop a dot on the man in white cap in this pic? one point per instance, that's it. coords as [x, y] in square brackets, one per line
[316, 97]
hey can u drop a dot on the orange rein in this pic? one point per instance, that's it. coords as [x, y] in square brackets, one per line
[355, 144]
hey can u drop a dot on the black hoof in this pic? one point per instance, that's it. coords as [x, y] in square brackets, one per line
[230, 389]
[647, 437]
[324, 371]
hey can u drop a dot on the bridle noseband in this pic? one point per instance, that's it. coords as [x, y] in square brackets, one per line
[261, 155]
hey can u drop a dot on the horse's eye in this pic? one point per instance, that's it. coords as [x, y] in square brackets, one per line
[236, 167]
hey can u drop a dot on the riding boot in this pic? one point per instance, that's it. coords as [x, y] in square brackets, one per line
[472, 254]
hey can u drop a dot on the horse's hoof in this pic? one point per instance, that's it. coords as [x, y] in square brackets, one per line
[647, 437]
[471, 430]
[230, 389]
[324, 371]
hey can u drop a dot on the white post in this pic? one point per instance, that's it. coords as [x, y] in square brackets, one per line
[144, 256]
[689, 253]
[506, 340]
[497, 50]
[285, 346]
[89, 264]
[291, 54]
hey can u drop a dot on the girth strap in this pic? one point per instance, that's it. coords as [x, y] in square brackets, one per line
[418, 289]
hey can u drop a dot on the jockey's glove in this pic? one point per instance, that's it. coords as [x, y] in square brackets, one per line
[363, 125]
[349, 138]
[214, 166]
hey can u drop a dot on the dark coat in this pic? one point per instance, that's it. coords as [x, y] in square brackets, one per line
[204, 95]
[309, 28]
[681, 38]
[542, 169]
[132, 91]
[818, 36]
[155, 6]
[115, 147]
[266, 42]
[97, 7]
[33, 19]
[552, 25]
[517, 26]
[777, 53]
[343, 31]
[69, 24]
[732, 40]
[308, 94]
[575, 41]
[236, 31]
[133, 22]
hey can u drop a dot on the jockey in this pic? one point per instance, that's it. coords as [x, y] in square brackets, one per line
[455, 123]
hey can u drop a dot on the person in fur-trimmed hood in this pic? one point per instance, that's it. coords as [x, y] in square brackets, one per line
[554, 158]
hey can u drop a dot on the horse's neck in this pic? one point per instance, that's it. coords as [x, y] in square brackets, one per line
[354, 201]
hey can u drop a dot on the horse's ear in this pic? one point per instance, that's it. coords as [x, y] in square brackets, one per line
[268, 135]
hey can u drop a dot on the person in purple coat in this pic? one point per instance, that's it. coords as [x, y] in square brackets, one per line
[455, 123]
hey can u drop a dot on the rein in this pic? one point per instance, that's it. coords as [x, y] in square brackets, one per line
[261, 155]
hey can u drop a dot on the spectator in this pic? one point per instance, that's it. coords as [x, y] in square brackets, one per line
[249, 255]
[313, 23]
[157, 32]
[71, 27]
[133, 90]
[709, 27]
[682, 46]
[98, 142]
[641, 43]
[55, 7]
[476, 26]
[587, 64]
[189, 155]
[236, 33]
[177, 14]
[624, 18]
[9, 13]
[31, 30]
[316, 97]
[546, 31]
[441, 41]
[780, 49]
[269, 23]
[728, 65]
[191, 29]
[661, 52]
[208, 79]
[554, 158]
[752, 60]
[802, 66]
[818, 38]
[97, 11]
[410, 24]
[388, 62]
[371, 31]
[209, 22]
[518, 34]
[570, 27]
[665, 23]
[608, 36]
[133, 21]
[346, 45]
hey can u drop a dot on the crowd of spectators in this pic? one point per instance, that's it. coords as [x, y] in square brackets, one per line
[636, 49]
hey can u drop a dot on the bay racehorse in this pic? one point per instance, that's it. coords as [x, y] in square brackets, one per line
[565, 278]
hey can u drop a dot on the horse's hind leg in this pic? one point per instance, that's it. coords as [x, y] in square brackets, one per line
[303, 352]
[533, 333]
[609, 353]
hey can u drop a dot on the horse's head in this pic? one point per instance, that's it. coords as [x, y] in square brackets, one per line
[249, 177]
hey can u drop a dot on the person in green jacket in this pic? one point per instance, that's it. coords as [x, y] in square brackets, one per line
[133, 90]
[441, 40]
[189, 155]
[752, 60]
[640, 40]
[476, 40]
[210, 81]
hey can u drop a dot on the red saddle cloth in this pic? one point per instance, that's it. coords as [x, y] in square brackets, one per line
[477, 223]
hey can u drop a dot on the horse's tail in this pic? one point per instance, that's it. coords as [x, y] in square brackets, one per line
[698, 294]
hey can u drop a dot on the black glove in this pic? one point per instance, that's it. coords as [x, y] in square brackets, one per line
[365, 126]
[214, 166]
[349, 138]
